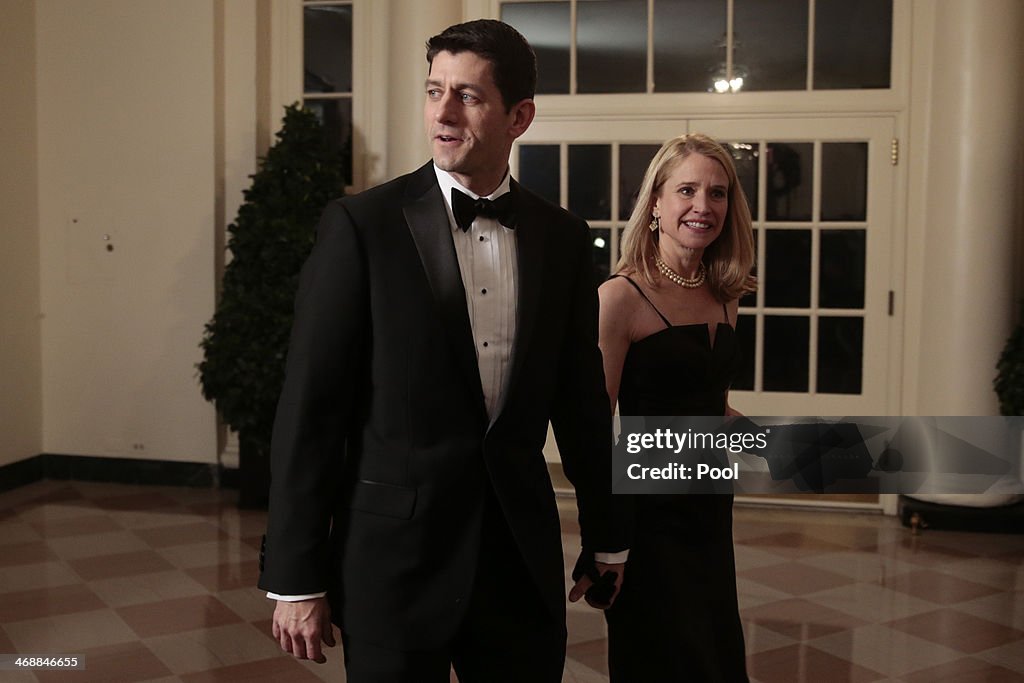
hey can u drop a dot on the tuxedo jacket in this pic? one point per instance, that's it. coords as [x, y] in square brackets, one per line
[382, 448]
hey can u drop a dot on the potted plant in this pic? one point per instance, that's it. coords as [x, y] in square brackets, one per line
[1009, 382]
[245, 343]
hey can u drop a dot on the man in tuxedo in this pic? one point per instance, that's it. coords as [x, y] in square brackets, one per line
[442, 320]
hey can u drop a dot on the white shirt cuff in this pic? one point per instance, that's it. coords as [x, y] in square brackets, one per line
[612, 558]
[294, 598]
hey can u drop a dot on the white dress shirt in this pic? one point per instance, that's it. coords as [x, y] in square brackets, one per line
[488, 260]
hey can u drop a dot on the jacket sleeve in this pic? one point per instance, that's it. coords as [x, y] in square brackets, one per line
[315, 412]
[581, 416]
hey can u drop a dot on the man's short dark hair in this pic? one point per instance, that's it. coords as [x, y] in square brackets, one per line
[512, 59]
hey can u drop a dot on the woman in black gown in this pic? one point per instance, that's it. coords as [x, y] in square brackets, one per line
[667, 335]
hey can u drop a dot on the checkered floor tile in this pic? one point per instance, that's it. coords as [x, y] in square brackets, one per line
[157, 584]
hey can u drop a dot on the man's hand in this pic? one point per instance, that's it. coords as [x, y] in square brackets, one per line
[300, 626]
[580, 589]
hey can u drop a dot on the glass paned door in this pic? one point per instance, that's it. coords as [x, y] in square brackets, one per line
[816, 336]
[818, 331]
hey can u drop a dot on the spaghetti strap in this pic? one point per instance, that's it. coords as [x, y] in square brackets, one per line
[637, 288]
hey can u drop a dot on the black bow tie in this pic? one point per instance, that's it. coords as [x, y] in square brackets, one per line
[466, 209]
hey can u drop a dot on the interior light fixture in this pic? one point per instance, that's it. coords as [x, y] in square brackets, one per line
[722, 85]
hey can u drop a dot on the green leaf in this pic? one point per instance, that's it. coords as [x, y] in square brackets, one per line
[245, 343]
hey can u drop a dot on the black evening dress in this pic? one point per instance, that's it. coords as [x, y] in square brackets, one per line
[676, 618]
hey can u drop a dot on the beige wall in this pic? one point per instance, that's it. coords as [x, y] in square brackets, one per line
[126, 161]
[20, 379]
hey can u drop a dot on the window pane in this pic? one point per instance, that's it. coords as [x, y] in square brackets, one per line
[611, 46]
[788, 183]
[633, 163]
[746, 334]
[538, 170]
[689, 65]
[841, 283]
[590, 173]
[852, 43]
[840, 355]
[328, 48]
[744, 157]
[546, 26]
[770, 44]
[336, 116]
[786, 344]
[844, 181]
[750, 299]
[602, 241]
[788, 264]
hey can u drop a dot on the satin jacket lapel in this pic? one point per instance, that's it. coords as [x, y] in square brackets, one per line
[530, 256]
[428, 222]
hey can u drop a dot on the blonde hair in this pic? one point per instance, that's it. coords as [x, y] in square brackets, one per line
[729, 259]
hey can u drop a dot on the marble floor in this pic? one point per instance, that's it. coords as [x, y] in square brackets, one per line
[157, 584]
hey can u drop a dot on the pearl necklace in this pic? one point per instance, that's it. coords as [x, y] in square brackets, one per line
[689, 283]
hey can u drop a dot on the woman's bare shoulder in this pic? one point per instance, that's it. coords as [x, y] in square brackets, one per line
[617, 292]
